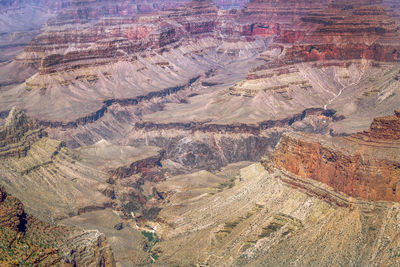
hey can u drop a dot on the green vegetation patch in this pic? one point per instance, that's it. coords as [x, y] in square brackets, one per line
[152, 240]
[227, 184]
[230, 225]
[280, 220]
[271, 228]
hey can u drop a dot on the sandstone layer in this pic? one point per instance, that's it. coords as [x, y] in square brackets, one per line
[255, 217]
[362, 165]
[150, 118]
[132, 57]
[71, 185]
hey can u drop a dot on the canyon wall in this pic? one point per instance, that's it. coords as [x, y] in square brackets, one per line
[32, 242]
[363, 165]
[211, 146]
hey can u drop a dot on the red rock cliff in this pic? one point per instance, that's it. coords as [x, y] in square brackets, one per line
[367, 167]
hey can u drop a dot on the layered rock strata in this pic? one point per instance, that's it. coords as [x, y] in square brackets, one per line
[268, 218]
[73, 184]
[18, 134]
[26, 240]
[362, 165]
[29, 160]
[113, 37]
[384, 128]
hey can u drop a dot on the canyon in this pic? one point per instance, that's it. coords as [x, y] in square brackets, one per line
[199, 132]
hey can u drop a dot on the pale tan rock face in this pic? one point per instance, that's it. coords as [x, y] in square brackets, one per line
[271, 218]
[18, 134]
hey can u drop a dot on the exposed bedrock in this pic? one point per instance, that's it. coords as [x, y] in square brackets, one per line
[25, 237]
[236, 127]
[81, 180]
[319, 52]
[18, 134]
[385, 128]
[207, 150]
[30, 161]
[211, 146]
[363, 165]
[137, 166]
[66, 184]
[90, 118]
[269, 218]
[112, 37]
[113, 34]
[95, 88]
[359, 32]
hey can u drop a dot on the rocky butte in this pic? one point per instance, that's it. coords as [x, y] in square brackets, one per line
[207, 133]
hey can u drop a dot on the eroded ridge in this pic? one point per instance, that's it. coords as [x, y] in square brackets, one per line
[27, 241]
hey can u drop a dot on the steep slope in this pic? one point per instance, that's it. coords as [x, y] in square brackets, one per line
[315, 201]
[128, 58]
[328, 58]
[67, 186]
[361, 165]
[30, 161]
[70, 182]
[169, 106]
[27, 241]
[272, 218]
[125, 60]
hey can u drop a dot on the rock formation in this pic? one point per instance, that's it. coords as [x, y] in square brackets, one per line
[366, 32]
[30, 159]
[104, 177]
[362, 165]
[256, 217]
[18, 134]
[26, 240]
[111, 39]
[384, 128]
[150, 119]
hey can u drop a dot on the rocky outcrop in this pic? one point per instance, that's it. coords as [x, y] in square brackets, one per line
[28, 155]
[211, 146]
[95, 179]
[114, 35]
[363, 165]
[363, 32]
[89, 118]
[266, 220]
[325, 31]
[29, 241]
[384, 128]
[18, 134]
[238, 127]
[281, 10]
[137, 166]
[197, 17]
